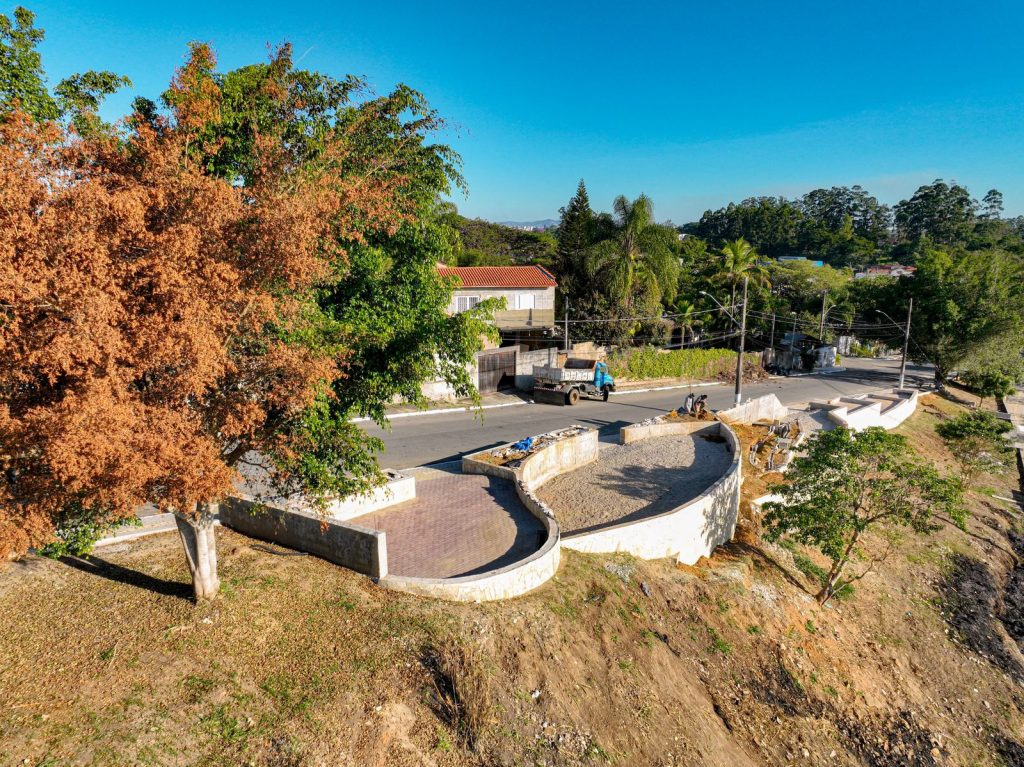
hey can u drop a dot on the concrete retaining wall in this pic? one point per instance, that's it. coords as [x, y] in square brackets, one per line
[398, 489]
[353, 546]
[638, 431]
[766, 408]
[857, 414]
[686, 533]
[523, 576]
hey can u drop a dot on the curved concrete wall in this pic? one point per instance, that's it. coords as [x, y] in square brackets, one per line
[688, 532]
[766, 408]
[523, 576]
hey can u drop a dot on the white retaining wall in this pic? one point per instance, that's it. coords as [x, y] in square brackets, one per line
[523, 576]
[686, 533]
[399, 489]
[766, 408]
[857, 413]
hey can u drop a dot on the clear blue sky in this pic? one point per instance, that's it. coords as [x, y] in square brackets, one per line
[694, 103]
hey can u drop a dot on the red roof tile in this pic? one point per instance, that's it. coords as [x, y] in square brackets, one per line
[500, 276]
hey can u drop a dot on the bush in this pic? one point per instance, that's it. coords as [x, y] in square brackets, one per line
[650, 362]
[975, 439]
[79, 528]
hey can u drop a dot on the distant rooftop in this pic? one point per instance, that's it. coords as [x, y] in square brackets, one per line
[500, 276]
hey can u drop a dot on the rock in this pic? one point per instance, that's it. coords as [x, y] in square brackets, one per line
[645, 588]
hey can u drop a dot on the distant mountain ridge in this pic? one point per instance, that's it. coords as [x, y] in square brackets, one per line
[545, 223]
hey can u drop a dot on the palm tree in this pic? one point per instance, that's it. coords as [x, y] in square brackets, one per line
[687, 318]
[636, 262]
[741, 260]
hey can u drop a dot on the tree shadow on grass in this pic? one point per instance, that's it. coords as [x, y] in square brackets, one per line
[110, 571]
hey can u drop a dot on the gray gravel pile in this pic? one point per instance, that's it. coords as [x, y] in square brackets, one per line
[642, 479]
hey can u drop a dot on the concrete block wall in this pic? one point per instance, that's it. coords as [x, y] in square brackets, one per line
[686, 533]
[353, 546]
[856, 413]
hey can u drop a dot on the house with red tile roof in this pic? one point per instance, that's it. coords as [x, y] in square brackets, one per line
[529, 293]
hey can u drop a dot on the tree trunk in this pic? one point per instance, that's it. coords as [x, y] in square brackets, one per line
[197, 536]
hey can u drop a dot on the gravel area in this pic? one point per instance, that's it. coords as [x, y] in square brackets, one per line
[642, 479]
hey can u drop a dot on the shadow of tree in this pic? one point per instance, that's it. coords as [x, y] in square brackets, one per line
[112, 572]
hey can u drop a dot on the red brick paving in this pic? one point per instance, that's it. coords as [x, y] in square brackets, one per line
[459, 524]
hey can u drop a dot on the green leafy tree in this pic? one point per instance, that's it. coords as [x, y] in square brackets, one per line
[770, 224]
[23, 80]
[976, 440]
[963, 301]
[989, 383]
[847, 484]
[942, 212]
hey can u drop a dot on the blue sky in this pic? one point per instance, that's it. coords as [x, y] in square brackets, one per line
[694, 103]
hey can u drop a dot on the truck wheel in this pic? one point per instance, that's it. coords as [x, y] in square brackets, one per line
[572, 397]
[605, 393]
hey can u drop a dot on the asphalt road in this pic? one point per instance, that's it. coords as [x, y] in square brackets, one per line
[425, 439]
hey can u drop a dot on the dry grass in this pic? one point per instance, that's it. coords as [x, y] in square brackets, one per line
[462, 689]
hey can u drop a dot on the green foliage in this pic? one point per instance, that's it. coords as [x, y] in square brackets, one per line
[575, 236]
[22, 78]
[484, 243]
[645, 362]
[989, 383]
[942, 212]
[848, 483]
[963, 300]
[975, 439]
[78, 528]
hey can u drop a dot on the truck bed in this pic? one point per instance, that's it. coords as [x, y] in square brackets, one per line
[559, 374]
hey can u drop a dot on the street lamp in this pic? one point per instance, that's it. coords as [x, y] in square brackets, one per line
[743, 337]
[906, 338]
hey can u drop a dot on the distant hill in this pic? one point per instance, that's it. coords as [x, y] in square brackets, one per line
[544, 223]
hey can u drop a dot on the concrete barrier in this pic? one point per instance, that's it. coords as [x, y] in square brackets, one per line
[766, 408]
[353, 546]
[638, 431]
[686, 533]
[520, 577]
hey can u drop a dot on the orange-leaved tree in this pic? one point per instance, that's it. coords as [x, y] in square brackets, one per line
[158, 318]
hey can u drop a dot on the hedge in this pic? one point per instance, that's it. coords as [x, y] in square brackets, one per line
[650, 362]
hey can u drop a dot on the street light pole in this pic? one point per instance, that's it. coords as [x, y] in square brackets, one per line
[821, 327]
[906, 338]
[743, 335]
[906, 344]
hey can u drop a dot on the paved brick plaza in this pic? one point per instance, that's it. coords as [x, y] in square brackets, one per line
[459, 524]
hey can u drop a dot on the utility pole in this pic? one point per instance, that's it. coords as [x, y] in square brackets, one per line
[772, 344]
[906, 344]
[743, 334]
[567, 323]
[821, 327]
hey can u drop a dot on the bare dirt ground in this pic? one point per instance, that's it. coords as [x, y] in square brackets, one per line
[641, 479]
[614, 662]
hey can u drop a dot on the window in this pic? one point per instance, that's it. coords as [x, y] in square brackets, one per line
[465, 303]
[526, 300]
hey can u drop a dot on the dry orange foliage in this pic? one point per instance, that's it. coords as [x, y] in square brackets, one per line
[142, 302]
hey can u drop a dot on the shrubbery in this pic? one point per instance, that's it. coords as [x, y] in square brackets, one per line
[649, 362]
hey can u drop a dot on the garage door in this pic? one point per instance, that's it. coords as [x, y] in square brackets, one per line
[497, 370]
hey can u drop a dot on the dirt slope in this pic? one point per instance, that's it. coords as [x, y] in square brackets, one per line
[614, 662]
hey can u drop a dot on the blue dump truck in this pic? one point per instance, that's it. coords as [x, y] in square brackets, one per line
[565, 385]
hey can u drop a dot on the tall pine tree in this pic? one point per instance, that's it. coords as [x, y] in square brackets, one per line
[575, 234]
